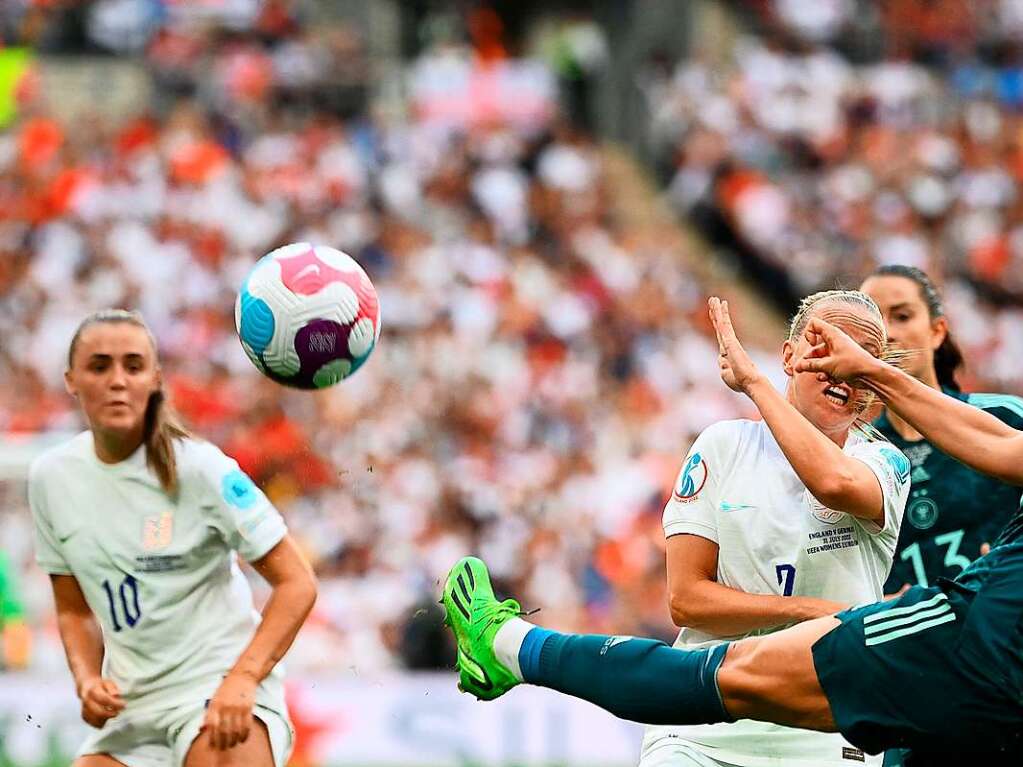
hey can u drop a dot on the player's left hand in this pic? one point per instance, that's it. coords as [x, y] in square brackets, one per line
[229, 714]
[737, 370]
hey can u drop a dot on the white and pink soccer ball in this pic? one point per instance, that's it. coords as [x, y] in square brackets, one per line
[307, 316]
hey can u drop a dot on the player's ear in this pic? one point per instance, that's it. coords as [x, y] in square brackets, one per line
[788, 358]
[69, 384]
[939, 332]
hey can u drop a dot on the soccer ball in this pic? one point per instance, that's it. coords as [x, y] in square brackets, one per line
[307, 316]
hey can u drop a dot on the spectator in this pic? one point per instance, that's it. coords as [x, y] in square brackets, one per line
[814, 169]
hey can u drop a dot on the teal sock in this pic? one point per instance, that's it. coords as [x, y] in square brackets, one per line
[639, 679]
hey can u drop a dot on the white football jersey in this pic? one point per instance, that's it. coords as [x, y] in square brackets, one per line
[159, 574]
[737, 489]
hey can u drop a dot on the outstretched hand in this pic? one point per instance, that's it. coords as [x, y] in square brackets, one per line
[833, 354]
[737, 370]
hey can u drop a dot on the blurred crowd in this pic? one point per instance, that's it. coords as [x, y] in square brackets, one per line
[543, 365]
[835, 137]
[545, 359]
[237, 56]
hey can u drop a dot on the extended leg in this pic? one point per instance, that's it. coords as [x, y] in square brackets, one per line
[770, 678]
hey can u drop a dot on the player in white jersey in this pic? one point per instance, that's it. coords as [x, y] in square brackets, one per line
[138, 525]
[778, 521]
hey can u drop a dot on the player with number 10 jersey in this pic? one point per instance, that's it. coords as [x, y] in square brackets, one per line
[139, 526]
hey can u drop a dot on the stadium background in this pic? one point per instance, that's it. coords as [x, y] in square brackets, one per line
[544, 194]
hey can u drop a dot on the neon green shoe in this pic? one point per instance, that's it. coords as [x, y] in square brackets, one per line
[475, 615]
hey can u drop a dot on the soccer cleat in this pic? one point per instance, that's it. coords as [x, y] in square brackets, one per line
[475, 615]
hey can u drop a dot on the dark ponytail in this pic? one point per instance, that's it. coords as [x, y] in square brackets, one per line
[160, 426]
[948, 358]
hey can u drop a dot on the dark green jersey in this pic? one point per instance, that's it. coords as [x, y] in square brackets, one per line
[952, 509]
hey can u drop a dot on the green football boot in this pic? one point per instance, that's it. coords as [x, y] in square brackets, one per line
[475, 615]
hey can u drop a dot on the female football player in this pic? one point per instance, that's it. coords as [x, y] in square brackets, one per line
[775, 522]
[138, 525]
[953, 511]
[938, 670]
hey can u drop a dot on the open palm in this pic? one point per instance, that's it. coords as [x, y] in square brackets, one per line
[737, 370]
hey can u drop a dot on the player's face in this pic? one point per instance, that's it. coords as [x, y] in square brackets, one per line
[833, 408]
[908, 322]
[113, 373]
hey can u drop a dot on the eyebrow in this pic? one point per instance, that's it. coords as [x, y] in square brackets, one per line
[100, 357]
[903, 305]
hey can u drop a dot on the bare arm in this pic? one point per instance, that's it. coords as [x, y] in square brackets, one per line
[837, 480]
[966, 433]
[229, 715]
[79, 631]
[83, 644]
[293, 596]
[698, 601]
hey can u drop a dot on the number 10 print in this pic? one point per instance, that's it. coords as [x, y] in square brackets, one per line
[129, 593]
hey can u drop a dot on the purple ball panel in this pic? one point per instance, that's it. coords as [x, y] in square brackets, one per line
[319, 342]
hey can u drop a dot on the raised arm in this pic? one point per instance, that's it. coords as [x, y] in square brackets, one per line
[229, 715]
[698, 601]
[837, 480]
[964, 432]
[82, 638]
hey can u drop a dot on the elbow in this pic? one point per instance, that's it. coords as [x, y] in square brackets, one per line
[684, 609]
[305, 591]
[834, 490]
[311, 590]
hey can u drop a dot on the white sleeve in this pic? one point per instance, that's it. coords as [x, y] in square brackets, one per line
[48, 554]
[693, 503]
[244, 515]
[891, 468]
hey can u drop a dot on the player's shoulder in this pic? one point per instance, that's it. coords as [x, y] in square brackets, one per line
[207, 468]
[868, 445]
[729, 432]
[1007, 407]
[57, 459]
[200, 458]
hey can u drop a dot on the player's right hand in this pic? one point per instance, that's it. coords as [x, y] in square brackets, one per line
[101, 700]
[737, 370]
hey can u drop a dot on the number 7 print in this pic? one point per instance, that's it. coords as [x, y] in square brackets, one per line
[786, 578]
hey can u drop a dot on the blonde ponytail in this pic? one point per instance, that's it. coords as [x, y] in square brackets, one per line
[161, 429]
[161, 426]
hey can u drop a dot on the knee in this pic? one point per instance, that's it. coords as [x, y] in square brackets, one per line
[743, 679]
[758, 683]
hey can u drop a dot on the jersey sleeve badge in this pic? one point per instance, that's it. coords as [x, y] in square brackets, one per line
[691, 479]
[238, 490]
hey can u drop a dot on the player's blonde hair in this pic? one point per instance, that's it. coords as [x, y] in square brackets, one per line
[161, 426]
[854, 297]
[815, 301]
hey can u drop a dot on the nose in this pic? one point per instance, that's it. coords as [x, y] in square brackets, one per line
[118, 377]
